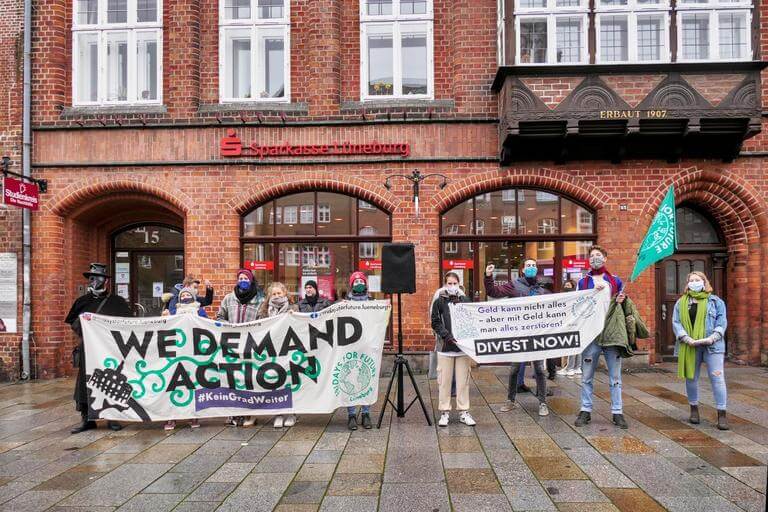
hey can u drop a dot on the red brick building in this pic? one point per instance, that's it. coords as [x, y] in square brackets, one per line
[195, 137]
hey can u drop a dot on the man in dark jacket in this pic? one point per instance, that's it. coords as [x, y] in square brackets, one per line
[97, 300]
[524, 286]
[312, 300]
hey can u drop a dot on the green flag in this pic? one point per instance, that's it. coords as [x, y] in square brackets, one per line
[661, 239]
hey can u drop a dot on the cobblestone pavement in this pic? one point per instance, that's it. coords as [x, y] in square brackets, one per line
[509, 461]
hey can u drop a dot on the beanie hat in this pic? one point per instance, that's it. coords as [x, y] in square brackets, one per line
[357, 275]
[189, 290]
[247, 273]
[311, 283]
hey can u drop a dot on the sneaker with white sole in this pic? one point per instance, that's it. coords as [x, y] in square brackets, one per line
[249, 421]
[169, 425]
[577, 371]
[543, 410]
[290, 420]
[562, 371]
[508, 406]
[278, 423]
[570, 373]
[467, 419]
[443, 421]
[194, 424]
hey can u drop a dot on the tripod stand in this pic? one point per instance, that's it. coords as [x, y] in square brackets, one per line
[397, 372]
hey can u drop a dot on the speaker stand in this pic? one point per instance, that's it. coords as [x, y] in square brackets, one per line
[401, 364]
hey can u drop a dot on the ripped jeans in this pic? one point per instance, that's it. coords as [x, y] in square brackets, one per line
[589, 359]
[715, 363]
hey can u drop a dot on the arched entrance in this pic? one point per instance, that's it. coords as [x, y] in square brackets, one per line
[701, 247]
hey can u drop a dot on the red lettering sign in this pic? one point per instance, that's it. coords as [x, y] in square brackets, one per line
[370, 265]
[575, 263]
[232, 146]
[18, 193]
[458, 264]
[260, 265]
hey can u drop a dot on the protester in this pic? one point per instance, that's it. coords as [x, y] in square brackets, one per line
[699, 322]
[573, 363]
[97, 300]
[524, 286]
[612, 343]
[186, 305]
[312, 300]
[193, 283]
[451, 361]
[278, 303]
[239, 306]
[358, 290]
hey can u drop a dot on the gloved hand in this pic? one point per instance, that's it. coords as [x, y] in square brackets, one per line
[450, 342]
[687, 340]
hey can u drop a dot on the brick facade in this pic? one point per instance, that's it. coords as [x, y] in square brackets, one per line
[107, 170]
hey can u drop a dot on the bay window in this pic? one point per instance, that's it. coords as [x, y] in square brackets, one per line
[396, 47]
[117, 49]
[632, 31]
[713, 30]
[254, 50]
[551, 31]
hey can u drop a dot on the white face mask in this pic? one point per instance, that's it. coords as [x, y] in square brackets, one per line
[696, 286]
[452, 289]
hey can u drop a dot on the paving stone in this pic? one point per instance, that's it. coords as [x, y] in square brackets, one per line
[219, 447]
[258, 492]
[175, 483]
[81, 509]
[253, 453]
[632, 500]
[397, 497]
[355, 484]
[582, 491]
[279, 464]
[586, 507]
[606, 475]
[348, 503]
[196, 506]
[332, 441]
[736, 492]
[117, 487]
[465, 460]
[152, 503]
[105, 462]
[697, 504]
[555, 468]
[480, 503]
[185, 435]
[324, 457]
[292, 447]
[528, 497]
[202, 464]
[537, 447]
[753, 477]
[232, 472]
[316, 472]
[623, 444]
[212, 491]
[165, 454]
[472, 481]
[33, 501]
[304, 492]
[361, 463]
[69, 480]
[297, 507]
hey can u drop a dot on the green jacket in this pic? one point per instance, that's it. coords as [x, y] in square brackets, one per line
[623, 326]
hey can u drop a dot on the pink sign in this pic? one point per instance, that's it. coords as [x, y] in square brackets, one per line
[18, 193]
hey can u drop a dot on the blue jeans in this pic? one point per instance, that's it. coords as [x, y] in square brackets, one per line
[521, 374]
[590, 358]
[352, 410]
[716, 372]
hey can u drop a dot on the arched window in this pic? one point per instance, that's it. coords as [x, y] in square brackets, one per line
[694, 228]
[505, 227]
[320, 236]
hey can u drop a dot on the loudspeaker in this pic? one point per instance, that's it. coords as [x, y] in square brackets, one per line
[398, 268]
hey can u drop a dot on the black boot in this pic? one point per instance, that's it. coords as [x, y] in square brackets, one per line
[619, 421]
[695, 418]
[85, 425]
[722, 421]
[583, 418]
[352, 423]
[367, 421]
[114, 426]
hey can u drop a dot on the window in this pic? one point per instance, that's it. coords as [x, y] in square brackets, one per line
[117, 52]
[307, 214]
[632, 31]
[324, 213]
[551, 31]
[547, 226]
[396, 57]
[290, 215]
[254, 56]
[714, 30]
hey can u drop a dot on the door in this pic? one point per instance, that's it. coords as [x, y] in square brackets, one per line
[155, 272]
[671, 275]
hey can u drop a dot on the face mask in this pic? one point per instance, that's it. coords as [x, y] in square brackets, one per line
[530, 272]
[696, 286]
[243, 285]
[278, 301]
[187, 300]
[359, 289]
[596, 262]
[96, 284]
[452, 289]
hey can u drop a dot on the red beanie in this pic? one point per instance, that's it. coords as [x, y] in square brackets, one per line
[357, 275]
[247, 273]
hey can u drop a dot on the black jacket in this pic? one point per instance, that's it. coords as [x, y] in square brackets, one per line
[441, 321]
[321, 304]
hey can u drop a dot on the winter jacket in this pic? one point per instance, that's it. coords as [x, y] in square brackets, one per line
[204, 301]
[191, 308]
[716, 321]
[441, 322]
[321, 304]
[232, 311]
[520, 287]
[264, 309]
[615, 333]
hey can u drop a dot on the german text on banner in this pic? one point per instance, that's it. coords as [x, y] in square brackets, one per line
[185, 366]
[530, 328]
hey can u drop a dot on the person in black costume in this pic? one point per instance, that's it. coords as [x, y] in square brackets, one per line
[97, 300]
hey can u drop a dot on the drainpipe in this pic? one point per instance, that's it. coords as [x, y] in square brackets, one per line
[26, 219]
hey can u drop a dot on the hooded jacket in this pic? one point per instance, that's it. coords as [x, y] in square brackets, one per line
[441, 321]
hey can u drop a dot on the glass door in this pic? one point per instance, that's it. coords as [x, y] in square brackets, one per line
[154, 273]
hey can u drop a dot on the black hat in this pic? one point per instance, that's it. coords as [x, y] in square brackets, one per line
[311, 283]
[97, 269]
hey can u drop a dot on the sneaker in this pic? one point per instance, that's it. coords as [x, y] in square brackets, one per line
[577, 371]
[508, 406]
[367, 424]
[290, 420]
[169, 425]
[543, 410]
[194, 424]
[352, 423]
[249, 421]
[278, 423]
[230, 421]
[467, 419]
[583, 418]
[619, 421]
[570, 373]
[443, 421]
[562, 371]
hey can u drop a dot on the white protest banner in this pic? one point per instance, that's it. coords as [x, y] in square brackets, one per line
[185, 366]
[529, 328]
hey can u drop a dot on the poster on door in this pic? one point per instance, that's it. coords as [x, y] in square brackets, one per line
[8, 291]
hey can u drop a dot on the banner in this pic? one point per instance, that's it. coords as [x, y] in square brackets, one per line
[661, 239]
[185, 366]
[530, 328]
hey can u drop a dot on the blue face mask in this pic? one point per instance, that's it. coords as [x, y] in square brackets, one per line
[244, 285]
[530, 272]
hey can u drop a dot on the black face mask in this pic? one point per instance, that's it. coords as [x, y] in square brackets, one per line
[97, 283]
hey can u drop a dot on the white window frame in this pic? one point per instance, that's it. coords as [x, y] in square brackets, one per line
[307, 214]
[259, 28]
[632, 11]
[324, 213]
[290, 215]
[396, 24]
[102, 29]
[714, 9]
[551, 12]
[501, 33]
